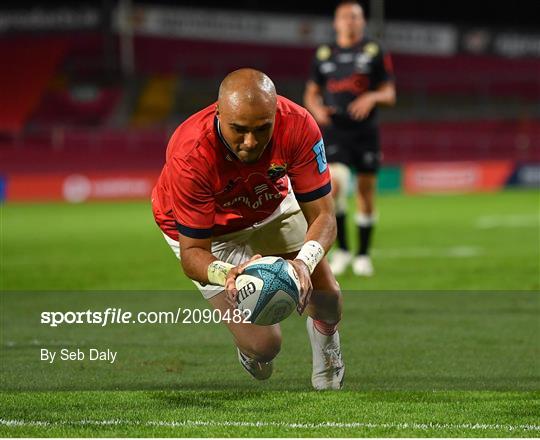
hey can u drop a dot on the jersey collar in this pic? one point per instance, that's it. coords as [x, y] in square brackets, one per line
[221, 138]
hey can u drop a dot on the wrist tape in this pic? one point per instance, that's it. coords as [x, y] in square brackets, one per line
[311, 253]
[218, 271]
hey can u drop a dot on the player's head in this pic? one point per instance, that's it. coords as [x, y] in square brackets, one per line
[349, 21]
[246, 111]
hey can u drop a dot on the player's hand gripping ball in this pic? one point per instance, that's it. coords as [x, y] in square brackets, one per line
[269, 289]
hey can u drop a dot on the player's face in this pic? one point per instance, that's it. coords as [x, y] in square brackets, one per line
[349, 20]
[247, 131]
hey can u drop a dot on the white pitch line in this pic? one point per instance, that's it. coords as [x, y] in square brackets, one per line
[425, 252]
[291, 425]
[508, 221]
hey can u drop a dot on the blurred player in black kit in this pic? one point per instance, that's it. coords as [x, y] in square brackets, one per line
[349, 79]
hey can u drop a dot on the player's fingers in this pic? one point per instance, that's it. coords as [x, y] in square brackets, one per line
[230, 286]
[231, 293]
[307, 297]
[299, 307]
[358, 115]
[231, 277]
[304, 295]
[232, 303]
[302, 307]
[352, 107]
[353, 111]
[242, 266]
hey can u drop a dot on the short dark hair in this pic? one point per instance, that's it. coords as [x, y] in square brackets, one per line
[349, 2]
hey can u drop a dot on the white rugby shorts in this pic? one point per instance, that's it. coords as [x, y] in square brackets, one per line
[282, 232]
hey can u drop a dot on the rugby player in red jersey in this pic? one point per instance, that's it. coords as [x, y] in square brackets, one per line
[247, 176]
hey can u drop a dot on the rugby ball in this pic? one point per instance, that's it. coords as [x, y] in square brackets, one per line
[268, 290]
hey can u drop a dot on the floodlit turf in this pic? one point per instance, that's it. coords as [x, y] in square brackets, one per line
[472, 242]
[442, 342]
[288, 414]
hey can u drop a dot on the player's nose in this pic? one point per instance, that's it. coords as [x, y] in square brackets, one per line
[250, 141]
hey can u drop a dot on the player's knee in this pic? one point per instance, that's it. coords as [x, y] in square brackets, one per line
[263, 349]
[341, 176]
[335, 189]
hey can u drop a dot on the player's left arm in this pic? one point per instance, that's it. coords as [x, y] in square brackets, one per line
[362, 106]
[310, 179]
[384, 92]
[321, 221]
[321, 233]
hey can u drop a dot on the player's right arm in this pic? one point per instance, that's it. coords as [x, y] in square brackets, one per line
[313, 101]
[195, 257]
[199, 264]
[193, 208]
[385, 88]
[313, 93]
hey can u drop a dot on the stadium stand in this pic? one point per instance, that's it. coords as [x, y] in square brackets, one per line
[515, 140]
[69, 109]
[81, 104]
[156, 101]
[481, 75]
[28, 65]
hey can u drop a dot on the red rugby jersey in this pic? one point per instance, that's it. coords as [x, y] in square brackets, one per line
[204, 190]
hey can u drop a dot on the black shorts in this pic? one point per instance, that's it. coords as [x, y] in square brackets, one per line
[360, 150]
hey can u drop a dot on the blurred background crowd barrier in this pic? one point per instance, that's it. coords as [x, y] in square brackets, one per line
[90, 95]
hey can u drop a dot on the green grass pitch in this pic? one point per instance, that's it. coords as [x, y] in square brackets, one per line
[443, 341]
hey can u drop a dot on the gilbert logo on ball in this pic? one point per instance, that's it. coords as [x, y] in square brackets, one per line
[269, 289]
